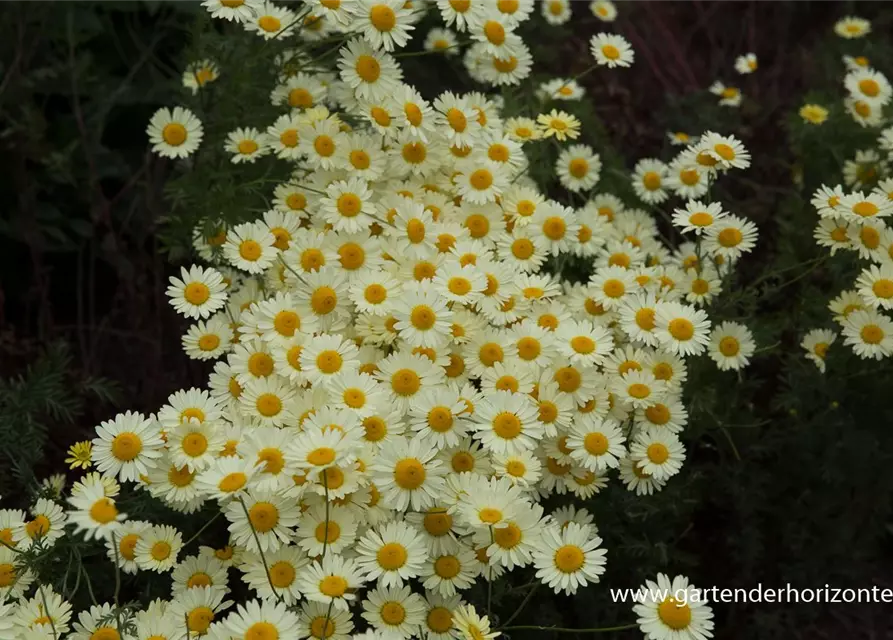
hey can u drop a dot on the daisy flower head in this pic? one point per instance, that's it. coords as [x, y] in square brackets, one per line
[673, 609]
[826, 200]
[604, 10]
[457, 119]
[728, 151]
[596, 444]
[208, 340]
[261, 619]
[198, 292]
[372, 75]
[332, 581]
[348, 205]
[249, 247]
[247, 144]
[95, 514]
[325, 529]
[812, 113]
[687, 178]
[657, 452]
[407, 474]
[194, 444]
[638, 389]
[698, 216]
[731, 237]
[869, 333]
[405, 375]
[472, 626]
[127, 446]
[174, 134]
[561, 89]
[569, 558]
[300, 91]
[556, 12]
[392, 554]
[227, 477]
[681, 329]
[157, 548]
[728, 96]
[561, 125]
[437, 417]
[442, 40]
[199, 73]
[746, 64]
[262, 520]
[583, 343]
[452, 570]
[578, 167]
[868, 85]
[863, 112]
[271, 21]
[732, 345]
[522, 129]
[816, 344]
[320, 143]
[47, 524]
[395, 612]
[233, 10]
[611, 50]
[852, 27]
[495, 31]
[383, 23]
[648, 179]
[507, 422]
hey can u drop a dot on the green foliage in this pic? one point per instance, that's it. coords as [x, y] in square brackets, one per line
[35, 409]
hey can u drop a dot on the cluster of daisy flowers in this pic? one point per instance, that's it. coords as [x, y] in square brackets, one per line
[868, 91]
[401, 376]
[853, 217]
[855, 222]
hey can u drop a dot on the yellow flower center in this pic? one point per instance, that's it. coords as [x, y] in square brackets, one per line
[595, 444]
[160, 551]
[393, 613]
[872, 334]
[270, 24]
[569, 558]
[409, 474]
[103, 511]
[507, 425]
[405, 382]
[262, 631]
[729, 237]
[554, 228]
[681, 329]
[126, 446]
[729, 346]
[610, 52]
[674, 614]
[438, 523]
[263, 516]
[324, 300]
[392, 556]
[232, 482]
[382, 17]
[657, 453]
[333, 586]
[174, 134]
[369, 70]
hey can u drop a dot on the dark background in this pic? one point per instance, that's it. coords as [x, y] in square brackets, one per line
[789, 476]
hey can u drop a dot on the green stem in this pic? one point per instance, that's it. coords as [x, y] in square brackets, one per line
[523, 603]
[46, 609]
[622, 627]
[260, 550]
[117, 584]
[202, 530]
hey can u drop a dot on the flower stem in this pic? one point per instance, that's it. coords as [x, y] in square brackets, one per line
[622, 627]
